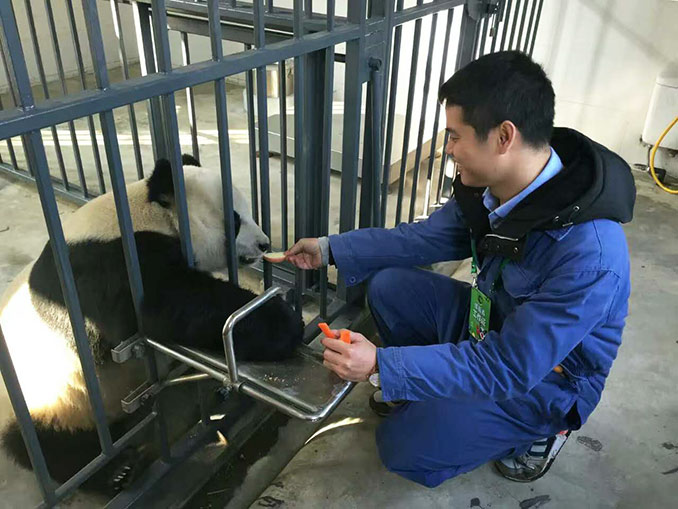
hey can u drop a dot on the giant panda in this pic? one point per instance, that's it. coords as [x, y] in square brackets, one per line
[181, 305]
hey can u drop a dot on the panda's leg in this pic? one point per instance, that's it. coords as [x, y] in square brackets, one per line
[66, 452]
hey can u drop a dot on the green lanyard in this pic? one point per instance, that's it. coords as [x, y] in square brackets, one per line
[475, 264]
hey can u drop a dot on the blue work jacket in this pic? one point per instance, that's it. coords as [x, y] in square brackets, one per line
[564, 303]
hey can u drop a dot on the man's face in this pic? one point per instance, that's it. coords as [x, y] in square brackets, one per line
[477, 161]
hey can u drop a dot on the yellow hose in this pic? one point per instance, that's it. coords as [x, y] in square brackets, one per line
[654, 150]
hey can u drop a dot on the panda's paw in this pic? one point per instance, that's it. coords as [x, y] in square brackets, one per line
[127, 468]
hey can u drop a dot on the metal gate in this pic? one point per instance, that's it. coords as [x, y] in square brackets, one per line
[388, 169]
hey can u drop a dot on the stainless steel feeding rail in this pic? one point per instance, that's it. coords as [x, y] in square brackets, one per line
[300, 387]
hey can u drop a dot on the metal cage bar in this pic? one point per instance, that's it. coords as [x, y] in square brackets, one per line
[536, 28]
[171, 125]
[224, 147]
[325, 184]
[190, 98]
[300, 182]
[282, 98]
[390, 122]
[62, 78]
[45, 90]
[75, 38]
[523, 17]
[122, 53]
[505, 24]
[436, 121]
[422, 119]
[408, 115]
[262, 113]
[251, 131]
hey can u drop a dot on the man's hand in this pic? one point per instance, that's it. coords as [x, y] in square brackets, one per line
[305, 254]
[354, 362]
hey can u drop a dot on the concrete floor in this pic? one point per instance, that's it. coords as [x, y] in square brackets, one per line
[625, 456]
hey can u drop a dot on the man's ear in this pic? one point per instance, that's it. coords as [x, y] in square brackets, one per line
[506, 136]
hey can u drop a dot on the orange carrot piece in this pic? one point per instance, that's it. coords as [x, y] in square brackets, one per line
[345, 336]
[326, 330]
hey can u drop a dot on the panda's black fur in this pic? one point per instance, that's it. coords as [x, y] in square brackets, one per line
[181, 305]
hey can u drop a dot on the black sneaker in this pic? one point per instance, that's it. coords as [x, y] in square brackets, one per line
[535, 462]
[380, 407]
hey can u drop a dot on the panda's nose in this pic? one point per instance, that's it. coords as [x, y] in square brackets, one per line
[264, 246]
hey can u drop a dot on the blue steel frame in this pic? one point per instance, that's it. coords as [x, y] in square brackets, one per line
[271, 35]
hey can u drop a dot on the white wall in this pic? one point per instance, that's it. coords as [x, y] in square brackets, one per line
[65, 41]
[603, 57]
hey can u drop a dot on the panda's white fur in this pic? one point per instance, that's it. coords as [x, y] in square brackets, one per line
[39, 335]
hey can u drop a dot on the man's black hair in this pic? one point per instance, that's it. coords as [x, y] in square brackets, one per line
[507, 85]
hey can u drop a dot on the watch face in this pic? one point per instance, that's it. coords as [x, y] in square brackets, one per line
[374, 380]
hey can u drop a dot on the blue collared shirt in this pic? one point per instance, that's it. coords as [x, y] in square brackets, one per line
[499, 212]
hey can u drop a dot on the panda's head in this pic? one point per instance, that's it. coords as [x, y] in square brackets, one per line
[206, 214]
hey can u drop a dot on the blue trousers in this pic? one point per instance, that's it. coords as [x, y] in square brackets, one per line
[431, 441]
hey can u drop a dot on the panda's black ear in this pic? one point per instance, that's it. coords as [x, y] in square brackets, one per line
[189, 160]
[160, 185]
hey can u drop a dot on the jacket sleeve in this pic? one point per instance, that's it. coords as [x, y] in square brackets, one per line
[534, 339]
[443, 236]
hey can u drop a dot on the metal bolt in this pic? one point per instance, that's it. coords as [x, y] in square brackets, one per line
[374, 63]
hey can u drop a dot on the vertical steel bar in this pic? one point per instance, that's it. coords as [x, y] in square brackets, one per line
[505, 25]
[434, 135]
[10, 146]
[107, 120]
[523, 17]
[35, 150]
[224, 147]
[536, 27]
[122, 53]
[486, 24]
[113, 157]
[422, 119]
[262, 111]
[190, 99]
[145, 45]
[172, 129]
[17, 103]
[516, 12]
[83, 81]
[389, 6]
[328, 96]
[376, 142]
[495, 29]
[300, 182]
[390, 122]
[352, 118]
[408, 116]
[45, 90]
[282, 98]
[26, 425]
[62, 77]
[529, 26]
[251, 131]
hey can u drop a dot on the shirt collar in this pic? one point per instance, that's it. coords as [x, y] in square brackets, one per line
[499, 212]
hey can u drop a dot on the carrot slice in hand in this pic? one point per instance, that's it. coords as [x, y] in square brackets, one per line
[326, 330]
[345, 336]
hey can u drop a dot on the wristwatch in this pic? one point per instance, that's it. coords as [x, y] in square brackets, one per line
[374, 377]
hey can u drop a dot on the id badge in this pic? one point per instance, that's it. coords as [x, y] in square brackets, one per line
[479, 316]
